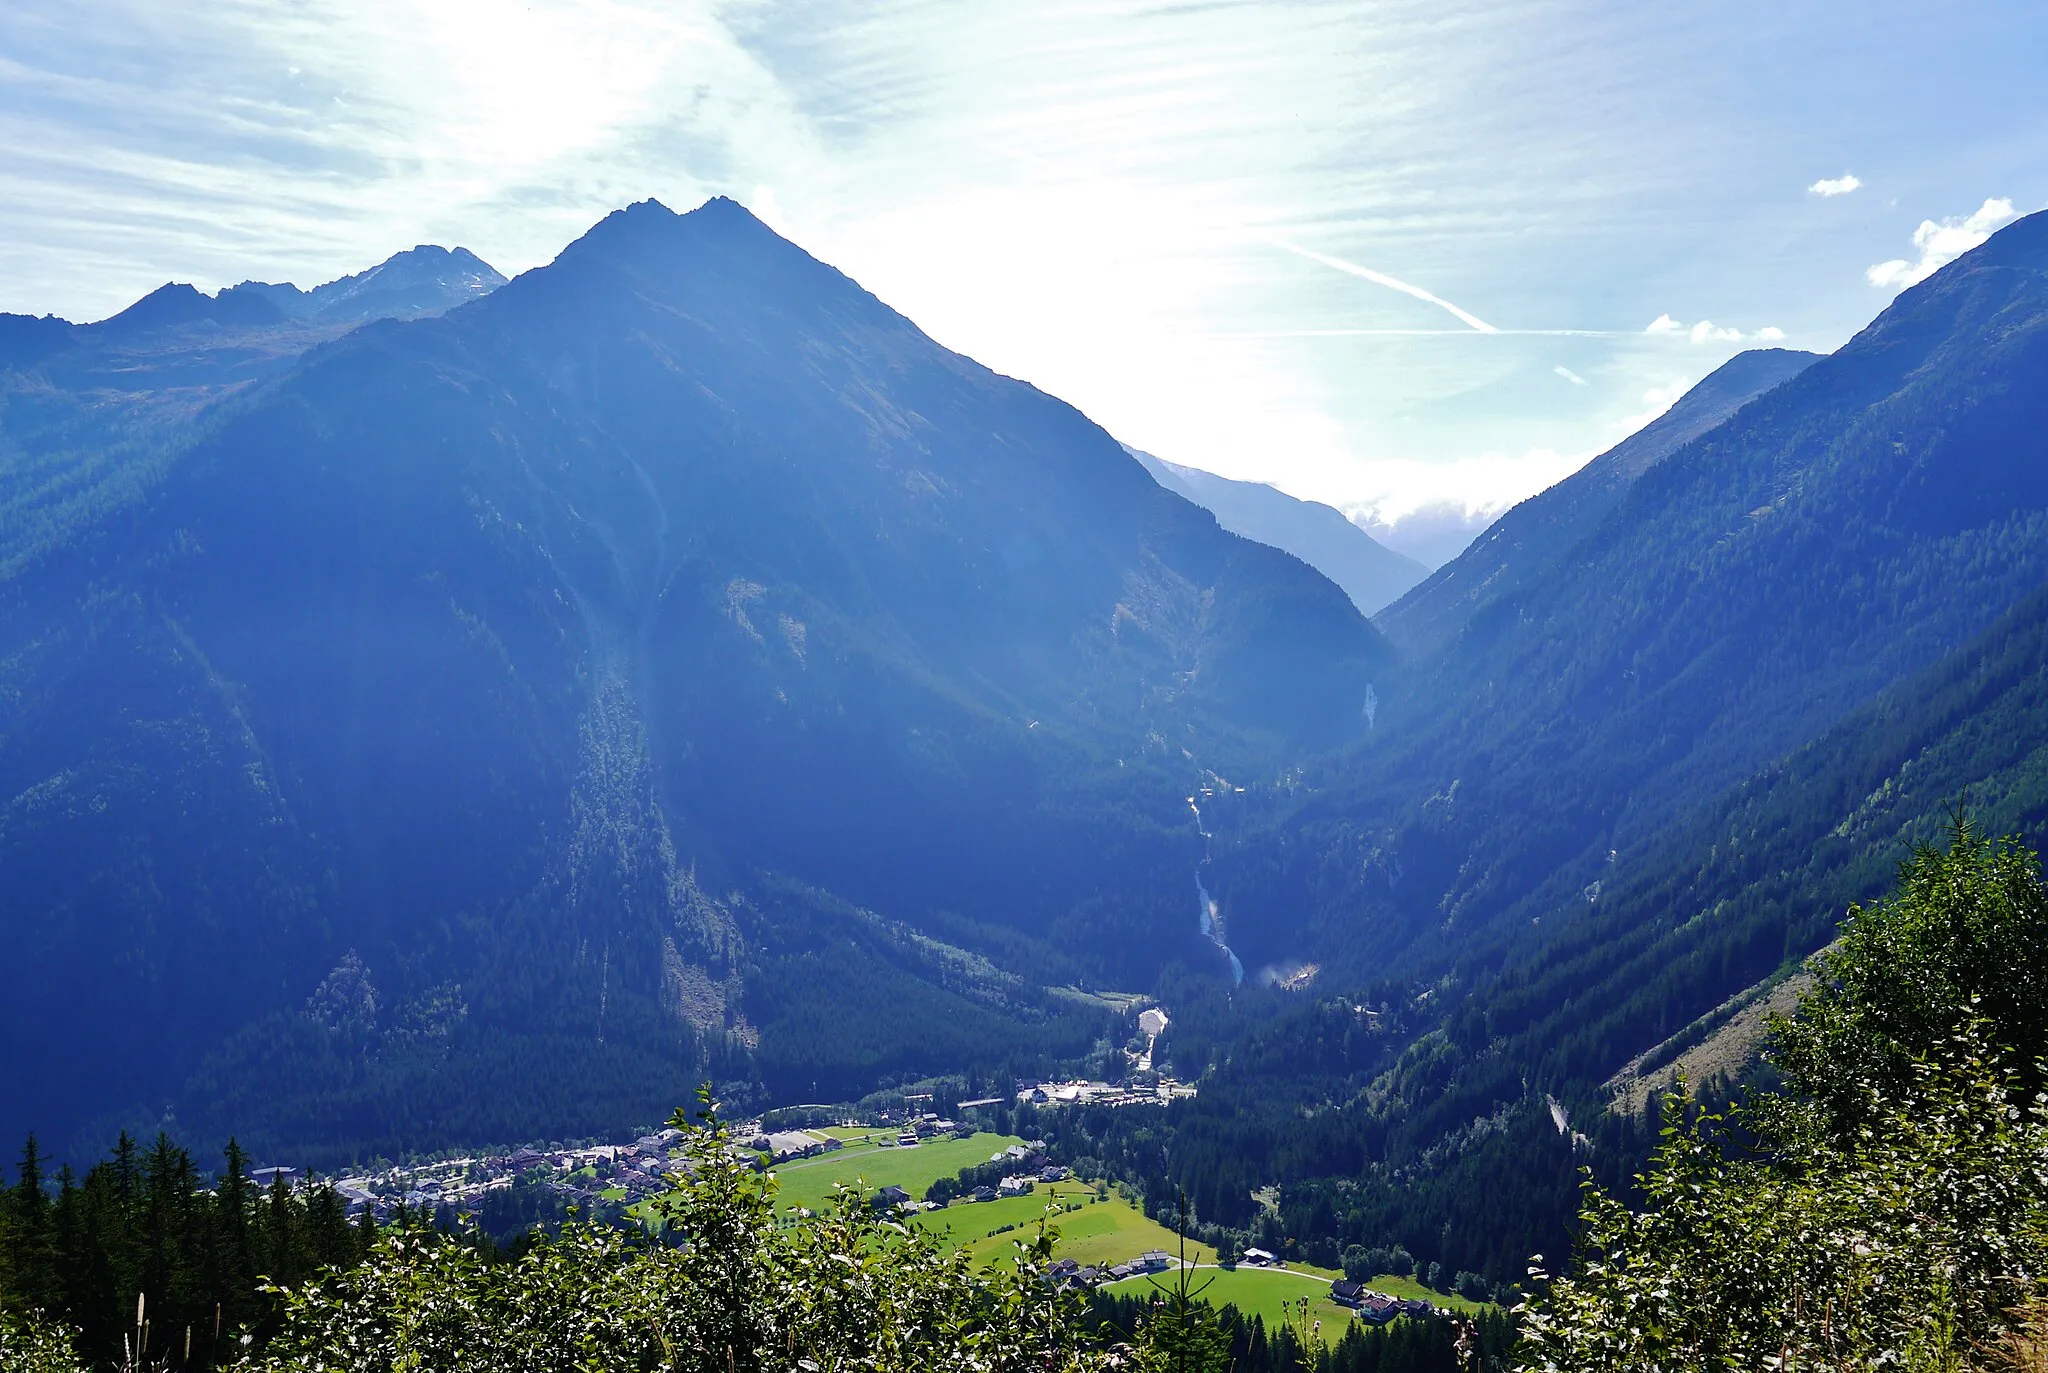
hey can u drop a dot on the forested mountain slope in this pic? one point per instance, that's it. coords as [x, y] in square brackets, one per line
[1370, 573]
[1536, 536]
[1838, 534]
[1655, 774]
[671, 661]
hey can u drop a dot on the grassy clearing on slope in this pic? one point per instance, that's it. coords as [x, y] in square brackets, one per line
[809, 1182]
[1267, 1293]
[1097, 1232]
[1262, 1292]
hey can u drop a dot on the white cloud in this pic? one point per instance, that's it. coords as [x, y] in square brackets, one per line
[1392, 490]
[1835, 185]
[1706, 331]
[1569, 375]
[1942, 243]
[1431, 510]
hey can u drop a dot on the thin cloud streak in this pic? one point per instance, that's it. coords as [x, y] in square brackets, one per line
[1382, 279]
[1416, 333]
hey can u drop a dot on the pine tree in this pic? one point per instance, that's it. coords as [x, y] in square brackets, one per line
[31, 1243]
[1182, 1334]
[231, 1257]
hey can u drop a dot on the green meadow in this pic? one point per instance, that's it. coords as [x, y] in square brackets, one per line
[808, 1182]
[1264, 1292]
[1091, 1230]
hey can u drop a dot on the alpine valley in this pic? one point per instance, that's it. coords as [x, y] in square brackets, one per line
[438, 710]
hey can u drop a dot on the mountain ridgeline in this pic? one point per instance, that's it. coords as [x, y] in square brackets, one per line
[672, 661]
[1533, 537]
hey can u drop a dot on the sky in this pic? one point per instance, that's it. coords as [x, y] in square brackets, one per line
[1417, 260]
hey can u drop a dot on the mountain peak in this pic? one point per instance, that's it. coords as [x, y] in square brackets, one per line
[648, 231]
[179, 302]
[424, 280]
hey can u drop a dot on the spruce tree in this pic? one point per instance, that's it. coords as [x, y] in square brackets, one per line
[31, 1244]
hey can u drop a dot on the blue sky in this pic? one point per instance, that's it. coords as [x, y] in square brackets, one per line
[1402, 257]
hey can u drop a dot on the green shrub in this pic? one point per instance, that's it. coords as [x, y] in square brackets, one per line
[1890, 1203]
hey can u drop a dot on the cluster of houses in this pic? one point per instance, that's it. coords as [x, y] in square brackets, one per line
[1079, 1092]
[1020, 1184]
[782, 1145]
[581, 1176]
[578, 1175]
[1376, 1308]
[1069, 1273]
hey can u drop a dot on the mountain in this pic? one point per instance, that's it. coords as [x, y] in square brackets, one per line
[1371, 574]
[671, 662]
[1535, 536]
[178, 303]
[423, 280]
[73, 390]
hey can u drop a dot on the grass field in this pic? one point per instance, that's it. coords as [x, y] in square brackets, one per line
[1267, 1293]
[1262, 1292]
[808, 1182]
[1095, 1232]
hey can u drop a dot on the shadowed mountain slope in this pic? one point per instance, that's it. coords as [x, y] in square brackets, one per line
[497, 720]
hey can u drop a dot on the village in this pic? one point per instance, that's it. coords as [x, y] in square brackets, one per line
[914, 1164]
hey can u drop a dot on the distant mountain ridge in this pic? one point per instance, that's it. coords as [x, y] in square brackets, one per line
[1371, 574]
[422, 280]
[1842, 530]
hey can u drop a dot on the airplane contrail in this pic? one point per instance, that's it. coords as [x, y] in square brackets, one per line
[1382, 279]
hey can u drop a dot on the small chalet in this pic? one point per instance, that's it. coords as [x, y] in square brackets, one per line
[1375, 1309]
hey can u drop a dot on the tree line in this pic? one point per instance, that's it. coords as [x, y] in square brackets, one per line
[146, 1264]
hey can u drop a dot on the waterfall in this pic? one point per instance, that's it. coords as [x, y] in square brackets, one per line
[1205, 904]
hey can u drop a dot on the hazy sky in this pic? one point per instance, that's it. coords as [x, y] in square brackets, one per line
[1381, 254]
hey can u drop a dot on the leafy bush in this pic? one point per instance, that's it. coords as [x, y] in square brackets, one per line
[32, 1345]
[1890, 1203]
